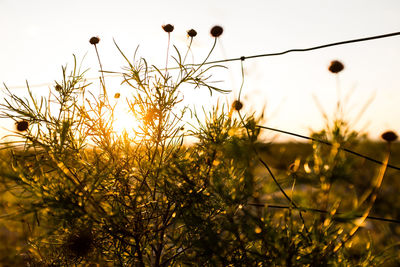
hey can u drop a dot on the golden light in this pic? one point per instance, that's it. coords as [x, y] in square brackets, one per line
[124, 120]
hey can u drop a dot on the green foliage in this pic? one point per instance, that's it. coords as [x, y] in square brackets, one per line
[85, 194]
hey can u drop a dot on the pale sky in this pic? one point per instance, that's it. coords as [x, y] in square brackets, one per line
[39, 36]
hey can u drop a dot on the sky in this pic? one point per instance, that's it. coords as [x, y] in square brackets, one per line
[38, 37]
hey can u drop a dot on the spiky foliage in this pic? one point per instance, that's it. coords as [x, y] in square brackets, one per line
[86, 194]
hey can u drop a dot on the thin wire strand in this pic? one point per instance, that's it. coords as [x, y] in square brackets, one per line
[329, 144]
[268, 54]
[290, 199]
[276, 206]
[255, 149]
[308, 49]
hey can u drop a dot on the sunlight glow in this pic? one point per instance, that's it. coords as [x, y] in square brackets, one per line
[125, 121]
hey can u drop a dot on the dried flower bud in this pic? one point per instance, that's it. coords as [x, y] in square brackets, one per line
[336, 66]
[216, 31]
[22, 125]
[168, 28]
[237, 105]
[192, 33]
[80, 243]
[58, 87]
[389, 136]
[94, 40]
[117, 95]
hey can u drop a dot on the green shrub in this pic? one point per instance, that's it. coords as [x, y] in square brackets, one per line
[86, 194]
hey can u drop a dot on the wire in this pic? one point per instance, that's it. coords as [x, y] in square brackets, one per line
[308, 49]
[329, 144]
[242, 58]
[275, 206]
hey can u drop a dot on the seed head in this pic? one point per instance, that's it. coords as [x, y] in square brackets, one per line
[192, 33]
[94, 40]
[58, 87]
[117, 95]
[22, 125]
[237, 105]
[336, 66]
[80, 243]
[389, 136]
[216, 31]
[168, 27]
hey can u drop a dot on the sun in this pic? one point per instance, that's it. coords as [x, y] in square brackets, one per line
[125, 121]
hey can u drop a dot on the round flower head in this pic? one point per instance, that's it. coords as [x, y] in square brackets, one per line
[336, 66]
[192, 33]
[168, 28]
[80, 243]
[94, 40]
[58, 87]
[237, 105]
[117, 95]
[216, 31]
[22, 125]
[389, 136]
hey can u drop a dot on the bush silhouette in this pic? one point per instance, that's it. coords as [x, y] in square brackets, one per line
[88, 194]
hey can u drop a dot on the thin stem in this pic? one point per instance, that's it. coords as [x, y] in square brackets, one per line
[338, 92]
[209, 54]
[241, 86]
[373, 196]
[187, 52]
[103, 81]
[166, 60]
